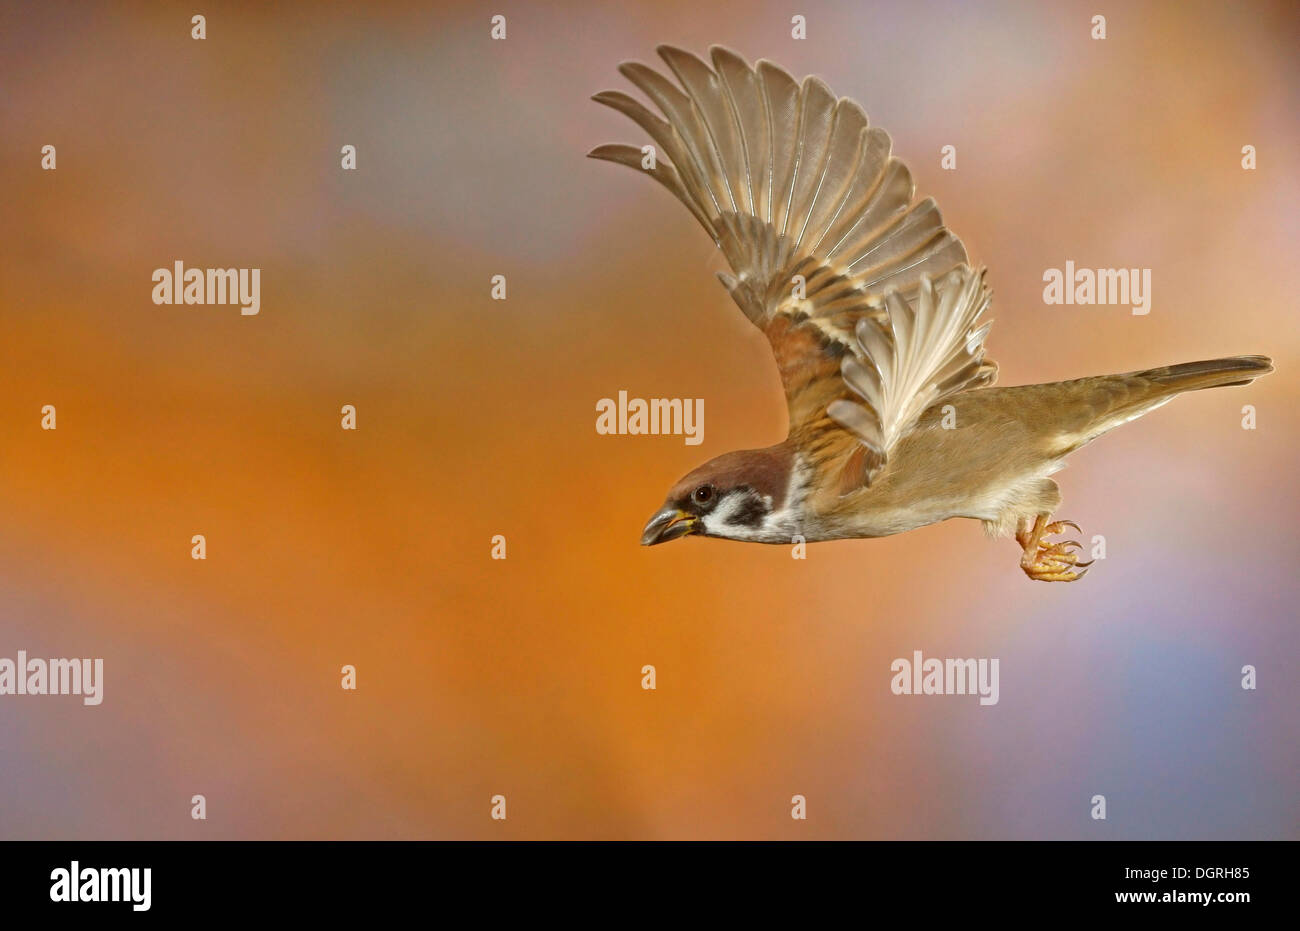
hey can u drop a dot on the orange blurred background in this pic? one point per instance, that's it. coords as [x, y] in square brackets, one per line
[477, 417]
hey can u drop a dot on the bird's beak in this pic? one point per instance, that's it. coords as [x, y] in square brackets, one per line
[668, 524]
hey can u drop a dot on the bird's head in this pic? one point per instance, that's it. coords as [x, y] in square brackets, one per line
[732, 496]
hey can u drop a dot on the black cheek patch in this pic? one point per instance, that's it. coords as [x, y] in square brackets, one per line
[750, 513]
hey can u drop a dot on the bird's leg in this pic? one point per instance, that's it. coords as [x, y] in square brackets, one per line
[1049, 562]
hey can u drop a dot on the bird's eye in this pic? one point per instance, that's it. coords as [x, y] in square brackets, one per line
[703, 494]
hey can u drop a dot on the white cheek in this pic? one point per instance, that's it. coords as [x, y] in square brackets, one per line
[720, 521]
[716, 521]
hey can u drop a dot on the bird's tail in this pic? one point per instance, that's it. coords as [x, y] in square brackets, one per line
[1089, 407]
[1213, 373]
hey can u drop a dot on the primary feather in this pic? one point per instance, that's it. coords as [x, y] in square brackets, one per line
[865, 296]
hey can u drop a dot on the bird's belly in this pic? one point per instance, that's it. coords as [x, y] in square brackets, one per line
[900, 506]
[885, 522]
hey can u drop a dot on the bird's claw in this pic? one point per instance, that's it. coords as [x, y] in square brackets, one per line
[1057, 526]
[1053, 562]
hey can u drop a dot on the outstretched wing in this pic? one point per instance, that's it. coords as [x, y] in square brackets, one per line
[865, 297]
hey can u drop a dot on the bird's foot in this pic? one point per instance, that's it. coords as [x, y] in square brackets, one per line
[1051, 562]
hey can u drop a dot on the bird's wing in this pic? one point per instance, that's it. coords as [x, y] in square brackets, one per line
[865, 297]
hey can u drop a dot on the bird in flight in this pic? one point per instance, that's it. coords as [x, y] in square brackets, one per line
[875, 319]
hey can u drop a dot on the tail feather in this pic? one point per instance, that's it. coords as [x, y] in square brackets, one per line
[1090, 407]
[1212, 373]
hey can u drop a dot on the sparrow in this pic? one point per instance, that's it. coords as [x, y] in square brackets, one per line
[876, 322]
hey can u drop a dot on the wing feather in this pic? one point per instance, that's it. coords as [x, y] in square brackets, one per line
[866, 297]
[924, 351]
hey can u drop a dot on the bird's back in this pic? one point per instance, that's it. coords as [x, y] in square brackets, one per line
[987, 453]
